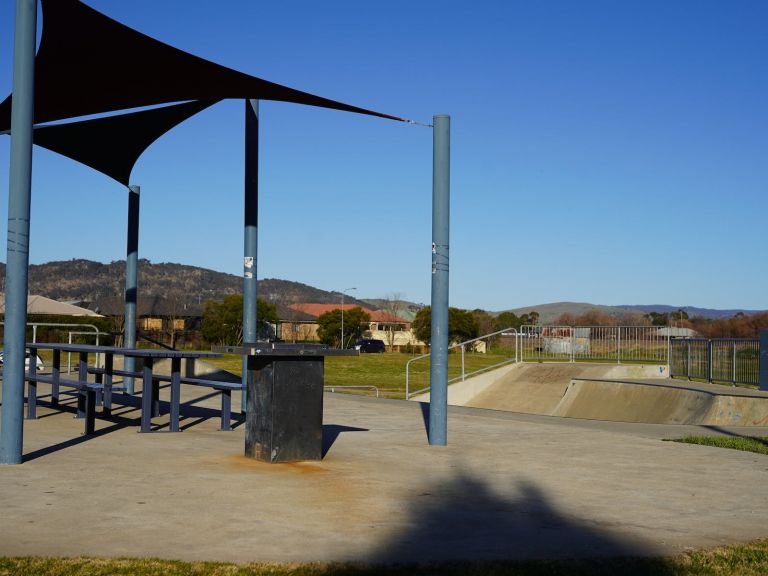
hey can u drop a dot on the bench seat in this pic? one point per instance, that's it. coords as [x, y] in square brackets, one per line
[224, 387]
[86, 398]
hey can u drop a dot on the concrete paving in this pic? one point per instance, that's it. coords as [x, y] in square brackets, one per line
[507, 486]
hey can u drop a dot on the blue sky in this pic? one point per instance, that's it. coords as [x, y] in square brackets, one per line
[611, 152]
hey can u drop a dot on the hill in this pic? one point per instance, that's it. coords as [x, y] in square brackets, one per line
[692, 311]
[164, 288]
[548, 313]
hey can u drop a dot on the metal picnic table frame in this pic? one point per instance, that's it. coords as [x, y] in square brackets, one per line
[149, 405]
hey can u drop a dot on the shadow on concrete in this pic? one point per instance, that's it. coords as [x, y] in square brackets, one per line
[72, 442]
[331, 433]
[464, 520]
[425, 417]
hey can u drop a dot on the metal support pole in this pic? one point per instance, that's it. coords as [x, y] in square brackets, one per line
[441, 186]
[17, 256]
[250, 233]
[709, 360]
[131, 284]
[763, 359]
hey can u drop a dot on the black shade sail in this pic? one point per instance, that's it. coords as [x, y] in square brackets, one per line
[89, 63]
[113, 144]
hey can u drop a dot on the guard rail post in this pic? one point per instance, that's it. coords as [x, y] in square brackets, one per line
[764, 359]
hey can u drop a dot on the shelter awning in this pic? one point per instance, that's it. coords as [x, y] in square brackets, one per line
[113, 144]
[88, 63]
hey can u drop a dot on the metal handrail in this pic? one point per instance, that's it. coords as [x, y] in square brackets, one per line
[462, 346]
[96, 333]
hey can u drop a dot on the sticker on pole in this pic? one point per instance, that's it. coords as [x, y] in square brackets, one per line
[248, 262]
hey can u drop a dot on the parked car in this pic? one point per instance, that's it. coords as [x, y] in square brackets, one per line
[27, 354]
[370, 345]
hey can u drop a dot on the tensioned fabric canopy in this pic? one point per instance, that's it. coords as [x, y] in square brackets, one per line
[88, 63]
[113, 144]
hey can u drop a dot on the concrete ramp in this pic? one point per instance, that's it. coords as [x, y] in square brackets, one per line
[620, 393]
[539, 388]
[666, 402]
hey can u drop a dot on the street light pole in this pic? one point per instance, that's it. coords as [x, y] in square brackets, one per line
[342, 315]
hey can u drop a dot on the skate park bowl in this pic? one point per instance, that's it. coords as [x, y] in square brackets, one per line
[610, 392]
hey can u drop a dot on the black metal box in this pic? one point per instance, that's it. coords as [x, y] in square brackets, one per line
[284, 412]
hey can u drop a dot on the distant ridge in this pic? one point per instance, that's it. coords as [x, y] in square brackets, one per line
[690, 310]
[548, 313]
[164, 288]
[168, 288]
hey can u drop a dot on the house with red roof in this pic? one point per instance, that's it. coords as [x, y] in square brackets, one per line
[395, 331]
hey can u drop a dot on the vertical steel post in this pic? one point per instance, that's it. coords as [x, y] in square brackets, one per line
[17, 255]
[250, 233]
[763, 362]
[441, 187]
[131, 284]
[709, 360]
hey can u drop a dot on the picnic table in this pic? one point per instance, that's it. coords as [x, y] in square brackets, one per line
[103, 385]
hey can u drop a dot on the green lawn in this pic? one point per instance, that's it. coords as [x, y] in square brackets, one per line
[741, 560]
[385, 371]
[755, 444]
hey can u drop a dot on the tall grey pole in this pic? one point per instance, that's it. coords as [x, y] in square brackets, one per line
[17, 256]
[441, 191]
[131, 282]
[250, 233]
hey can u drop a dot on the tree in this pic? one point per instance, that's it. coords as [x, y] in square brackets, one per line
[461, 325]
[485, 322]
[356, 321]
[394, 306]
[508, 320]
[223, 320]
[532, 318]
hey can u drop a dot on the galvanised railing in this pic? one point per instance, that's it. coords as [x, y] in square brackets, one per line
[642, 344]
[465, 359]
[729, 360]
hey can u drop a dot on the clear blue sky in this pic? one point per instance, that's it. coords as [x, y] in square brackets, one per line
[602, 151]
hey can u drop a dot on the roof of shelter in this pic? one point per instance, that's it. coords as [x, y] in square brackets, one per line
[42, 305]
[89, 63]
[113, 144]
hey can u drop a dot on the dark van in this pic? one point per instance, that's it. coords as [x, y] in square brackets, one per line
[370, 345]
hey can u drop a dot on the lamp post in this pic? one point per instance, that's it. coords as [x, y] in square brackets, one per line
[342, 314]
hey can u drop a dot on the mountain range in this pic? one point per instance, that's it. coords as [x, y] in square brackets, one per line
[548, 313]
[168, 288]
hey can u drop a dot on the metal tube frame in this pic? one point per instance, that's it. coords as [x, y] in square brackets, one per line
[17, 256]
[441, 172]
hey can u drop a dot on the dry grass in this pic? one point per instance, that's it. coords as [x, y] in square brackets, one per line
[739, 560]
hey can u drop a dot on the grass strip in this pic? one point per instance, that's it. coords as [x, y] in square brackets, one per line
[757, 444]
[742, 560]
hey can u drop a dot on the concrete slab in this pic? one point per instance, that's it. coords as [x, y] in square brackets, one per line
[506, 486]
